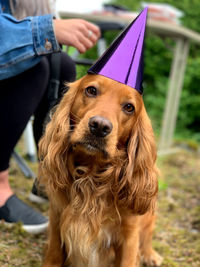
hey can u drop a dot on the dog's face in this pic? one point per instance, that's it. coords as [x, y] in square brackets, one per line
[103, 115]
[101, 130]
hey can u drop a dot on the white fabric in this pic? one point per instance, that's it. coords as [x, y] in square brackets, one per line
[24, 8]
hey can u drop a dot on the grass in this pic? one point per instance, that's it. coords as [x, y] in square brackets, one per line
[177, 235]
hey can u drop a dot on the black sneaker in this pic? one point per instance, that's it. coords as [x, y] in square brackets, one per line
[38, 194]
[15, 210]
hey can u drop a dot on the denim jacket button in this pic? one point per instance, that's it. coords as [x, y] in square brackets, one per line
[48, 45]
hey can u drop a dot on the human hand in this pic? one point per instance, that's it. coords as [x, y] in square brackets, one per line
[78, 33]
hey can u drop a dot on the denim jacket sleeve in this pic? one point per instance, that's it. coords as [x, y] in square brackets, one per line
[22, 43]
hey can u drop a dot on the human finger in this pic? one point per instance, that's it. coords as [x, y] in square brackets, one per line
[88, 33]
[94, 28]
[85, 40]
[79, 45]
[94, 38]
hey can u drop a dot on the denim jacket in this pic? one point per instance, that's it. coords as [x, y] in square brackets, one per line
[24, 42]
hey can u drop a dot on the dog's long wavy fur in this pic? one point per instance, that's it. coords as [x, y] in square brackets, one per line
[96, 207]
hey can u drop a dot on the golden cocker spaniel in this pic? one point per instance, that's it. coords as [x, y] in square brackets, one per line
[98, 166]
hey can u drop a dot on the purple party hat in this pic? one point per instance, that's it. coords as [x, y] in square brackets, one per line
[123, 60]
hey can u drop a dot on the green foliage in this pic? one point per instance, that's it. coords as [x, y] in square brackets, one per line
[162, 185]
[157, 64]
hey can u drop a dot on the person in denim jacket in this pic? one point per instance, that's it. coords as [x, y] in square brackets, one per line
[28, 36]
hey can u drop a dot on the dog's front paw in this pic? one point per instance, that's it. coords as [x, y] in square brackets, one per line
[152, 259]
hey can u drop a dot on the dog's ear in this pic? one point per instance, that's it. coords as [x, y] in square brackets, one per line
[53, 146]
[141, 170]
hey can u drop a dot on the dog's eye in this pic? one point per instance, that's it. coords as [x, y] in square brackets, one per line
[128, 108]
[91, 91]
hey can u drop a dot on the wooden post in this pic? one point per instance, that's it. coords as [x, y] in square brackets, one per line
[174, 92]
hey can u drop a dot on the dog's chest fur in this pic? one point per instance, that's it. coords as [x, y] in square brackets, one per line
[91, 222]
[83, 251]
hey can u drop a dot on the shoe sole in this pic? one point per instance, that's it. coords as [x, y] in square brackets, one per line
[37, 199]
[31, 229]
[36, 229]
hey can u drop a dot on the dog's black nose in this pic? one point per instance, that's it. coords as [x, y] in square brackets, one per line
[100, 126]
